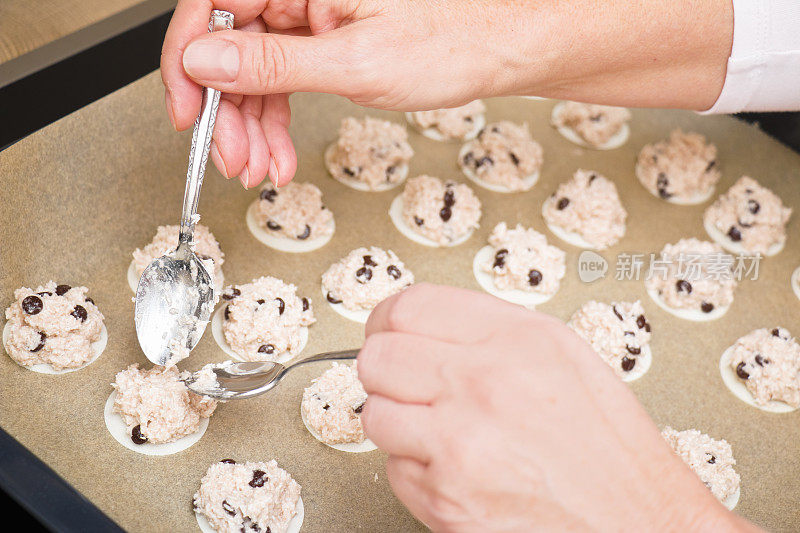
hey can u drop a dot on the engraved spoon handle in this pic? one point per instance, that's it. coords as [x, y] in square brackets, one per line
[201, 140]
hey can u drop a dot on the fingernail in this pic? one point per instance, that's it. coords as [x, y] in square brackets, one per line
[244, 177]
[215, 155]
[273, 173]
[213, 60]
[170, 112]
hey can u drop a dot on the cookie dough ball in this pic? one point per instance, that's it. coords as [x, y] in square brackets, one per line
[681, 170]
[365, 277]
[156, 405]
[503, 157]
[587, 210]
[768, 363]
[711, 459]
[264, 319]
[523, 260]
[444, 212]
[166, 240]
[370, 154]
[595, 126]
[619, 332]
[294, 212]
[795, 282]
[251, 497]
[457, 123]
[748, 218]
[54, 325]
[692, 275]
[332, 405]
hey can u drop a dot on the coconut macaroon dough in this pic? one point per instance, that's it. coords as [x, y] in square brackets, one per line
[748, 218]
[503, 158]
[444, 213]
[587, 211]
[166, 240]
[692, 279]
[295, 212]
[331, 406]
[768, 363]
[54, 325]
[681, 170]
[711, 459]
[365, 277]
[156, 405]
[370, 154]
[596, 126]
[264, 319]
[619, 333]
[251, 497]
[461, 123]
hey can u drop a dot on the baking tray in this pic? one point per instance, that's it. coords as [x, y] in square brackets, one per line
[81, 194]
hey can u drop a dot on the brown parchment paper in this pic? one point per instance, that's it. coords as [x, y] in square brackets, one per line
[80, 195]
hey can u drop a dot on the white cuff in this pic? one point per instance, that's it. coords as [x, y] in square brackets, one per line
[764, 67]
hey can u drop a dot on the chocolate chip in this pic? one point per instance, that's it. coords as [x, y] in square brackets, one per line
[228, 461]
[369, 262]
[562, 204]
[80, 313]
[485, 160]
[61, 290]
[734, 234]
[753, 206]
[363, 275]
[467, 119]
[136, 435]
[228, 508]
[445, 213]
[42, 338]
[468, 157]
[664, 194]
[760, 361]
[259, 479]
[393, 271]
[305, 304]
[534, 277]
[741, 372]
[227, 312]
[269, 195]
[627, 364]
[614, 308]
[706, 307]
[683, 286]
[260, 301]
[592, 178]
[273, 225]
[350, 172]
[776, 332]
[647, 327]
[500, 258]
[641, 321]
[495, 129]
[88, 300]
[326, 407]
[418, 221]
[711, 165]
[266, 348]
[45, 293]
[281, 305]
[449, 198]
[390, 170]
[306, 233]
[332, 299]
[359, 408]
[514, 158]
[633, 350]
[661, 184]
[32, 305]
[712, 460]
[233, 293]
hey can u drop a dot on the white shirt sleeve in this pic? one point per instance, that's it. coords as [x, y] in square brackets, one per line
[764, 66]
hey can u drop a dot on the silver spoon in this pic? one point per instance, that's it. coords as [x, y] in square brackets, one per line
[237, 381]
[175, 295]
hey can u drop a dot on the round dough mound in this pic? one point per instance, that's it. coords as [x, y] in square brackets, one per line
[332, 405]
[443, 212]
[619, 332]
[589, 206]
[166, 240]
[264, 318]
[157, 406]
[456, 123]
[294, 212]
[682, 170]
[503, 154]
[251, 496]
[54, 325]
[750, 218]
[524, 261]
[711, 459]
[369, 151]
[768, 363]
[594, 124]
[693, 275]
[365, 277]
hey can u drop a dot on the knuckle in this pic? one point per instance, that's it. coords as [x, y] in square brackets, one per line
[369, 356]
[270, 64]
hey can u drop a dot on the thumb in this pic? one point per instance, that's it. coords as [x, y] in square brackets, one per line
[266, 63]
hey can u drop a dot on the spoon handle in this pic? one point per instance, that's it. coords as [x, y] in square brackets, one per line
[327, 356]
[201, 141]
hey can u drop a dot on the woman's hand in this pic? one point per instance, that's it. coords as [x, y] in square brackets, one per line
[497, 418]
[429, 54]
